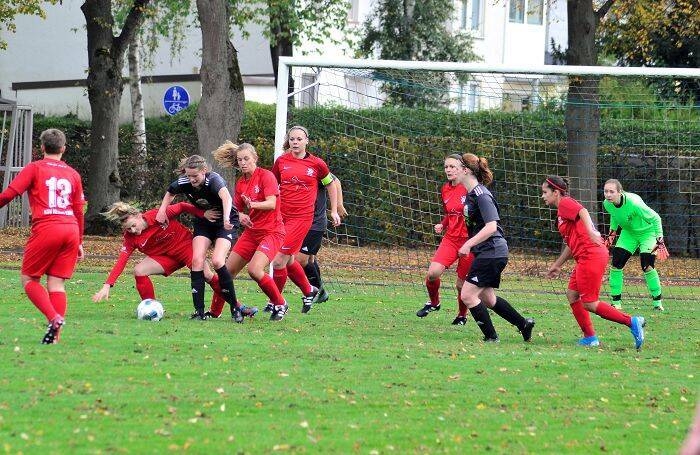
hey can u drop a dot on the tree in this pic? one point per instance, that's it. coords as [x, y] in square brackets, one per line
[9, 9]
[582, 117]
[220, 109]
[106, 53]
[655, 33]
[415, 30]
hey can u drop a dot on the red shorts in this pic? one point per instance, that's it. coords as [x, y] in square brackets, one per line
[250, 242]
[587, 277]
[51, 249]
[296, 229]
[447, 253]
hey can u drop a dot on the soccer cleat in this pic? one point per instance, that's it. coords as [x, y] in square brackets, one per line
[278, 312]
[199, 316]
[637, 329]
[249, 311]
[491, 340]
[428, 308]
[210, 315]
[52, 330]
[269, 308]
[237, 315]
[526, 331]
[658, 306]
[460, 320]
[591, 341]
[308, 300]
[322, 296]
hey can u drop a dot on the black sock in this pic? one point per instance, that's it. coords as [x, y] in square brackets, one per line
[310, 271]
[318, 273]
[226, 284]
[483, 320]
[507, 312]
[198, 282]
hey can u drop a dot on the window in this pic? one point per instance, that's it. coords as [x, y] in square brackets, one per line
[309, 96]
[470, 15]
[533, 10]
[468, 97]
[353, 12]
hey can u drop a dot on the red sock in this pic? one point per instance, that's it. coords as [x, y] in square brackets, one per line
[59, 302]
[583, 318]
[144, 286]
[298, 277]
[462, 307]
[40, 298]
[270, 289]
[217, 304]
[607, 311]
[280, 277]
[433, 291]
[214, 284]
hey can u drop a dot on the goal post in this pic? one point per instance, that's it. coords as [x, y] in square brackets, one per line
[384, 127]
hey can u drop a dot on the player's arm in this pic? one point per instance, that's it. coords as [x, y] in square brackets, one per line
[268, 204]
[593, 233]
[124, 254]
[484, 233]
[650, 216]
[339, 190]
[555, 268]
[227, 203]
[162, 215]
[332, 197]
[17, 186]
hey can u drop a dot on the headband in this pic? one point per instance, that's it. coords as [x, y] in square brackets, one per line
[563, 190]
[458, 157]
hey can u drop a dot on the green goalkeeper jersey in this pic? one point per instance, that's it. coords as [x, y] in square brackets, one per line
[634, 216]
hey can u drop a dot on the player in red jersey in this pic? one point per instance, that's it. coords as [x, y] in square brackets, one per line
[584, 243]
[256, 197]
[454, 196]
[298, 173]
[54, 246]
[167, 247]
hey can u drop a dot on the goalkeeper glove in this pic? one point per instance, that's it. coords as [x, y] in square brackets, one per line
[661, 250]
[610, 239]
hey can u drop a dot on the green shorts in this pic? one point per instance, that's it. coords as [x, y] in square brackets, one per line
[630, 242]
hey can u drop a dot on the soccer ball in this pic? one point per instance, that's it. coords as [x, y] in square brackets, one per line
[150, 310]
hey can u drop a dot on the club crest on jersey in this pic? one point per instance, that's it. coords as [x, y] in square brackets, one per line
[463, 199]
[309, 172]
[560, 220]
[256, 189]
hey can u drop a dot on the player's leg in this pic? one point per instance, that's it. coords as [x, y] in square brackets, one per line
[307, 258]
[146, 267]
[463, 265]
[625, 246]
[651, 276]
[470, 296]
[432, 284]
[222, 246]
[200, 245]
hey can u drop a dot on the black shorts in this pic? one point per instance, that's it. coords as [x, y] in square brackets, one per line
[312, 243]
[214, 231]
[486, 272]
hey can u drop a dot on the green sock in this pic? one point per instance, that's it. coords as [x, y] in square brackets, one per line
[653, 284]
[615, 283]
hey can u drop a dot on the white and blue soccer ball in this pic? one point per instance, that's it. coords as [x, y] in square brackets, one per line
[150, 310]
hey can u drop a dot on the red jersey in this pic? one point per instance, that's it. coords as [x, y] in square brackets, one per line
[55, 193]
[453, 200]
[299, 179]
[258, 187]
[573, 230]
[156, 240]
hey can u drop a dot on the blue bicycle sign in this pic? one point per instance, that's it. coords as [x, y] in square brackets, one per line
[175, 99]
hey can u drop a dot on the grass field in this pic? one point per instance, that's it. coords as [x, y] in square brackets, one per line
[358, 374]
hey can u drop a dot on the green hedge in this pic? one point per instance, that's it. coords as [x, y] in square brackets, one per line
[390, 162]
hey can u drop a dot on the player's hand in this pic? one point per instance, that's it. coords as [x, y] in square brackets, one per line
[341, 211]
[245, 220]
[553, 271]
[596, 238]
[464, 250]
[246, 201]
[335, 218]
[81, 252]
[661, 251]
[102, 294]
[162, 217]
[212, 215]
[438, 228]
[610, 239]
[228, 225]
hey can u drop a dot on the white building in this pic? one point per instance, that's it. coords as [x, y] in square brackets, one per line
[45, 64]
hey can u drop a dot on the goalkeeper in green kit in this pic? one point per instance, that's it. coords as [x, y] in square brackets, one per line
[633, 225]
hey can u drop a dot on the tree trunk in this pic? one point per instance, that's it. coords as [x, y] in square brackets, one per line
[279, 30]
[138, 118]
[582, 110]
[220, 110]
[104, 83]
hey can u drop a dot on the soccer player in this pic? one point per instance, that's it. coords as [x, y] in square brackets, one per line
[206, 190]
[584, 243]
[56, 199]
[298, 173]
[454, 196]
[307, 255]
[256, 199]
[490, 251]
[633, 225]
[167, 248]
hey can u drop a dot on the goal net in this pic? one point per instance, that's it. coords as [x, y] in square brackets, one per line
[385, 130]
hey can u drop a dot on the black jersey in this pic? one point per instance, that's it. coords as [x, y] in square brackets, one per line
[481, 208]
[205, 197]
